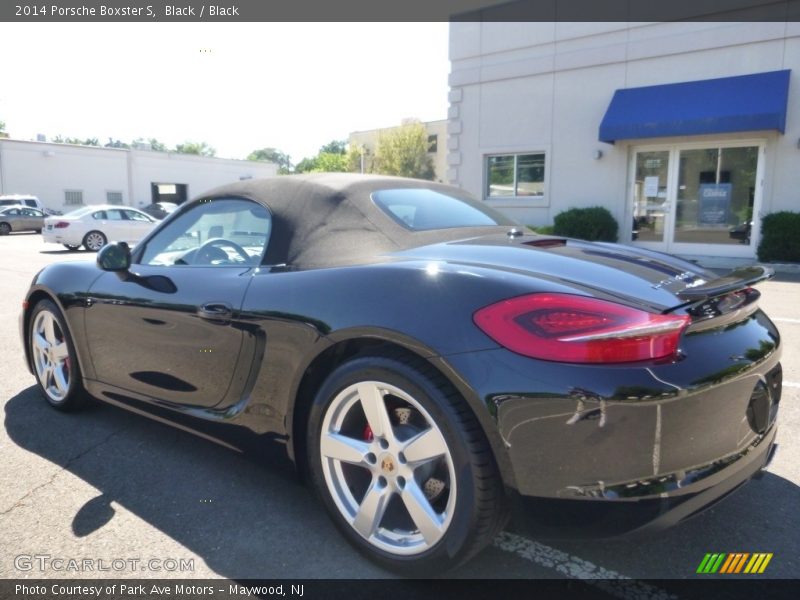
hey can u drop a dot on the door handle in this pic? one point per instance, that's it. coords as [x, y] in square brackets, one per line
[216, 311]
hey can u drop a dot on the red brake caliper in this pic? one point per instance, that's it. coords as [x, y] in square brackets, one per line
[367, 435]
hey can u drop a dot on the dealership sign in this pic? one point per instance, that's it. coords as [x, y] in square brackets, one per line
[715, 203]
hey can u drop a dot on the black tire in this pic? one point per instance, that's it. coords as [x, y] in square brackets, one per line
[5, 228]
[67, 393]
[71, 248]
[465, 474]
[94, 240]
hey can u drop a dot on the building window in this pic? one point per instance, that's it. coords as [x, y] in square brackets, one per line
[433, 143]
[73, 197]
[515, 175]
[114, 197]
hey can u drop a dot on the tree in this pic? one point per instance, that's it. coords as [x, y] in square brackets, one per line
[152, 142]
[60, 139]
[332, 162]
[284, 161]
[197, 148]
[2, 126]
[157, 146]
[112, 143]
[307, 165]
[334, 147]
[404, 151]
[333, 157]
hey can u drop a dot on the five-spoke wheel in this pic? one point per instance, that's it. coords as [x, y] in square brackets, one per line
[402, 466]
[53, 358]
[387, 467]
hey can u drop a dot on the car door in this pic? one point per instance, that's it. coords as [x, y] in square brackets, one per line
[32, 219]
[115, 224]
[169, 329]
[13, 217]
[138, 224]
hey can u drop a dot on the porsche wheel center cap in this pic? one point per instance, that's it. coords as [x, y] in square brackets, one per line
[387, 464]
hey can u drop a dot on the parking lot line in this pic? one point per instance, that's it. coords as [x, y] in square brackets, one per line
[611, 582]
[784, 320]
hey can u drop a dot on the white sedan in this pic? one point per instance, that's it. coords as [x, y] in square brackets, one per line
[93, 226]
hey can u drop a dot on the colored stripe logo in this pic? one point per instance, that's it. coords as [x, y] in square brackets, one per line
[736, 562]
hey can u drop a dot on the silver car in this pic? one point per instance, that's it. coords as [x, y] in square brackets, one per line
[21, 218]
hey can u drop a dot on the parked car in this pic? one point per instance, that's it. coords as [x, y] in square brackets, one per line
[423, 361]
[159, 210]
[24, 200]
[20, 218]
[92, 226]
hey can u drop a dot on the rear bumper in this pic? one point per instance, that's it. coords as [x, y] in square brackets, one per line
[618, 448]
[682, 498]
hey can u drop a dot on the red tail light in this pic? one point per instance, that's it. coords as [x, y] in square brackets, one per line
[61, 225]
[577, 329]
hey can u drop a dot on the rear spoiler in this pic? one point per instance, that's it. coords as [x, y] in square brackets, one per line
[733, 281]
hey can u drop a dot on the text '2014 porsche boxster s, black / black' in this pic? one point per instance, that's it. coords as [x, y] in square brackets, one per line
[426, 364]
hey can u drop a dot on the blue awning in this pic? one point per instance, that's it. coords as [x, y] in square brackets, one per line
[744, 103]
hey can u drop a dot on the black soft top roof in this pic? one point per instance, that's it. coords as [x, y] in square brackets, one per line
[327, 219]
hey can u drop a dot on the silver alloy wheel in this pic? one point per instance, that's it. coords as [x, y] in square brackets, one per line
[50, 356]
[95, 240]
[381, 480]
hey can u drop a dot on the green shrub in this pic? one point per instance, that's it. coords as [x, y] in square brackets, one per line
[542, 229]
[780, 237]
[595, 224]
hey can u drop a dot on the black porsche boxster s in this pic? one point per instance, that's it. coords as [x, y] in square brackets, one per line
[429, 366]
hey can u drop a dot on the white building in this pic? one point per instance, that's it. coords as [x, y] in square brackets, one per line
[650, 120]
[66, 176]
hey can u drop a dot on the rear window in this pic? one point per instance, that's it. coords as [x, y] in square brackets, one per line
[421, 209]
[79, 212]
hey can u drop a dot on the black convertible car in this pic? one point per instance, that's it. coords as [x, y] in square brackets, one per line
[425, 363]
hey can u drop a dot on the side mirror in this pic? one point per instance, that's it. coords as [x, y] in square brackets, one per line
[114, 257]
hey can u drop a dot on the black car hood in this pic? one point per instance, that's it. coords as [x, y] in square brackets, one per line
[643, 277]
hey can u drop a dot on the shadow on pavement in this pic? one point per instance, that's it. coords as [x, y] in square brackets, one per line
[242, 519]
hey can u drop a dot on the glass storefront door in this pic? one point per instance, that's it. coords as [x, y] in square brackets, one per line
[697, 199]
[650, 206]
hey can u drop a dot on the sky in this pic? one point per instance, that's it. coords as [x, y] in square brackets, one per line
[237, 87]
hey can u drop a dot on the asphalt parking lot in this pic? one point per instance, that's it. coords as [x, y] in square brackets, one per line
[108, 485]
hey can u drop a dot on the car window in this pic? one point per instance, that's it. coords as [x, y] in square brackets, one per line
[30, 202]
[100, 215]
[421, 209]
[218, 232]
[115, 215]
[79, 212]
[136, 216]
[32, 212]
[11, 211]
